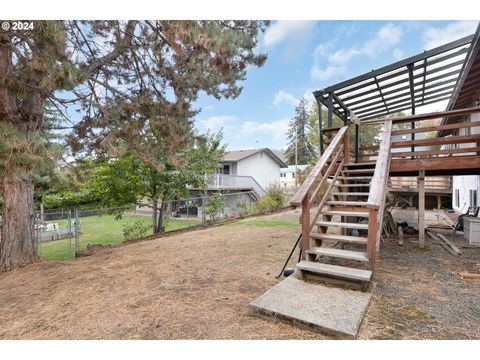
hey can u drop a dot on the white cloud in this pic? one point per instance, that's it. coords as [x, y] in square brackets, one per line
[398, 54]
[283, 97]
[285, 29]
[319, 73]
[277, 129]
[436, 36]
[327, 66]
[216, 123]
[384, 39]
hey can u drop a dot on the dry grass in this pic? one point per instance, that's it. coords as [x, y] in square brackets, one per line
[197, 285]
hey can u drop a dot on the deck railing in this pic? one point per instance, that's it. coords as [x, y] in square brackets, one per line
[378, 193]
[233, 182]
[312, 189]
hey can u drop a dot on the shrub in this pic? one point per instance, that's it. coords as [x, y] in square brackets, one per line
[274, 199]
[135, 231]
[214, 207]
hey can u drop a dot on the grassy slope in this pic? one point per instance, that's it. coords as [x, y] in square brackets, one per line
[101, 230]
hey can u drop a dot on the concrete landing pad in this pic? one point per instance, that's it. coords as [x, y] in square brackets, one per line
[332, 310]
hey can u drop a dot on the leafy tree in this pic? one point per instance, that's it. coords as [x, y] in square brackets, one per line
[130, 180]
[134, 80]
[297, 135]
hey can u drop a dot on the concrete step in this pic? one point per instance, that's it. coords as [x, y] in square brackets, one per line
[341, 238]
[347, 203]
[343, 224]
[346, 213]
[350, 194]
[339, 253]
[341, 272]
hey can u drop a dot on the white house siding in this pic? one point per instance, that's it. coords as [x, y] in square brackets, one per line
[466, 183]
[261, 167]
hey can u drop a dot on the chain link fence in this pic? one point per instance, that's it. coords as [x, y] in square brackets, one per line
[63, 233]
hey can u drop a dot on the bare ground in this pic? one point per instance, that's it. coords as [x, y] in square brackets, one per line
[197, 285]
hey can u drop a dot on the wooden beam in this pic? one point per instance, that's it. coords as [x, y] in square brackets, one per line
[438, 141]
[372, 237]
[381, 168]
[428, 116]
[437, 128]
[439, 166]
[421, 208]
[435, 152]
[305, 240]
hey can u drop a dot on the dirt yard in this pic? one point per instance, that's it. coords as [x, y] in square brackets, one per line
[197, 285]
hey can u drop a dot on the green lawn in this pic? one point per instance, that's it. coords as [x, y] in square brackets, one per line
[101, 230]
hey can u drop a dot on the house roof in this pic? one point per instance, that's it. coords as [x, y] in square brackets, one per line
[419, 80]
[237, 155]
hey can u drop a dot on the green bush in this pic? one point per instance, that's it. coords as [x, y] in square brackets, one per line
[135, 231]
[273, 200]
[214, 207]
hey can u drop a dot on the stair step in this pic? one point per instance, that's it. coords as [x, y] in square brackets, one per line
[335, 270]
[347, 203]
[350, 194]
[353, 185]
[360, 164]
[346, 213]
[355, 177]
[339, 253]
[341, 238]
[343, 224]
[359, 171]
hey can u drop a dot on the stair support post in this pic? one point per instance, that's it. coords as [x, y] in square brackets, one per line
[372, 237]
[421, 208]
[305, 241]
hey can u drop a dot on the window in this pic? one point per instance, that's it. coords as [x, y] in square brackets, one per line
[473, 197]
[226, 169]
[457, 197]
[283, 175]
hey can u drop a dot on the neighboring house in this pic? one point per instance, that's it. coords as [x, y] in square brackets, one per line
[287, 175]
[260, 164]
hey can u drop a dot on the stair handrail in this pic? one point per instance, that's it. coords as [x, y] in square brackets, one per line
[336, 153]
[378, 192]
[307, 185]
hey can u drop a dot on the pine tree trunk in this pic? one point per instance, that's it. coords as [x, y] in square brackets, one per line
[17, 241]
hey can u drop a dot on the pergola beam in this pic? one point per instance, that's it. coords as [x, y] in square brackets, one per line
[413, 59]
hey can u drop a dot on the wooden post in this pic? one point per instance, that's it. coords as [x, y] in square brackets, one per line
[305, 241]
[372, 237]
[421, 208]
[439, 202]
[346, 147]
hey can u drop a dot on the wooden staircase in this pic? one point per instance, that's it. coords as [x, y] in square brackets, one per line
[340, 242]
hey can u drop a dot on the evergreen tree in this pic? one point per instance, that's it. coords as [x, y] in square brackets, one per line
[297, 137]
[151, 71]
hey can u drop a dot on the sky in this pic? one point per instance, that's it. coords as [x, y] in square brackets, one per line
[304, 56]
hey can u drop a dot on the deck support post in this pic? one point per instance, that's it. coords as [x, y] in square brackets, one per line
[421, 208]
[305, 241]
